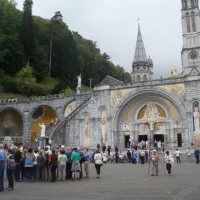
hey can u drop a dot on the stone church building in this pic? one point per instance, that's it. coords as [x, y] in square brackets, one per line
[115, 113]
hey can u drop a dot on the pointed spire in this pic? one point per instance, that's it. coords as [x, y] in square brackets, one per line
[140, 53]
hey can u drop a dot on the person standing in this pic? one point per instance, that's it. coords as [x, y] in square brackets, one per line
[155, 160]
[142, 157]
[17, 158]
[129, 156]
[109, 148]
[189, 155]
[134, 157]
[177, 154]
[169, 162]
[2, 166]
[40, 166]
[76, 168]
[29, 164]
[62, 160]
[116, 154]
[53, 159]
[10, 163]
[98, 162]
[69, 163]
[196, 154]
[86, 163]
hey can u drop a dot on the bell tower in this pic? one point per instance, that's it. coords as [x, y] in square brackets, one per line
[191, 37]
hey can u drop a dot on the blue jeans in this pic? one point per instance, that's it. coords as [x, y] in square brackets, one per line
[189, 158]
[1, 177]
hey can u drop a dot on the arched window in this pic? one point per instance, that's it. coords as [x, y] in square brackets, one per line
[138, 78]
[193, 22]
[192, 4]
[188, 22]
[145, 78]
[185, 4]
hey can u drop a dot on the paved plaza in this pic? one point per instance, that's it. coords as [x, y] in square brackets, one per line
[118, 182]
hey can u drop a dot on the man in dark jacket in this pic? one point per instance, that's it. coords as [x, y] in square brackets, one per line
[17, 158]
[196, 153]
[54, 164]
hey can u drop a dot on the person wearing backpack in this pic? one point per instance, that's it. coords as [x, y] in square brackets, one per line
[40, 166]
[10, 170]
[2, 166]
[29, 164]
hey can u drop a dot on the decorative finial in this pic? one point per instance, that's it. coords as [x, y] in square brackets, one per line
[138, 21]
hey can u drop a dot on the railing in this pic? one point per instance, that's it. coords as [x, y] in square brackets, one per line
[43, 98]
[66, 119]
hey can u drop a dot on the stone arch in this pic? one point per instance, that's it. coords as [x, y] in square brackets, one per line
[15, 124]
[132, 95]
[41, 114]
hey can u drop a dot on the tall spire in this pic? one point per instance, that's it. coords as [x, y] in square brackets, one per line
[140, 53]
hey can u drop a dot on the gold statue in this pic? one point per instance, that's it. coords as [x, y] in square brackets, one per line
[174, 71]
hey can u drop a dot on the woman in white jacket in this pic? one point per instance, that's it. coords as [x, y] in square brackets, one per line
[169, 160]
[98, 162]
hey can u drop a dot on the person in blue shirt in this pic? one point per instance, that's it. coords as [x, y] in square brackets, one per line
[134, 157]
[86, 163]
[2, 166]
[10, 162]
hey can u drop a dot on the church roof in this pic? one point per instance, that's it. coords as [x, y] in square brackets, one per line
[109, 80]
[140, 53]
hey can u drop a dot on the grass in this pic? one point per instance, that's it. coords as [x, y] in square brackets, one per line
[10, 96]
[48, 82]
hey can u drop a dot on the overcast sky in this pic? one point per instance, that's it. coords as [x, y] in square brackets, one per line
[113, 24]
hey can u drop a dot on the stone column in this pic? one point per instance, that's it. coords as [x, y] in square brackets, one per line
[26, 127]
[109, 137]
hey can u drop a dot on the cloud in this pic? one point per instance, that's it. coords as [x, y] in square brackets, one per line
[113, 24]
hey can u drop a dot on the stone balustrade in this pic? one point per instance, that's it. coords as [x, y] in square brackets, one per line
[42, 98]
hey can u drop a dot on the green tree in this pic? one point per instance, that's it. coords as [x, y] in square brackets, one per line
[27, 30]
[24, 79]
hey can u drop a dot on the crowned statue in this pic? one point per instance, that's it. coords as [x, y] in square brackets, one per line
[151, 112]
[43, 128]
[174, 71]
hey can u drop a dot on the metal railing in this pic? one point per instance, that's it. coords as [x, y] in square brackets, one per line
[72, 114]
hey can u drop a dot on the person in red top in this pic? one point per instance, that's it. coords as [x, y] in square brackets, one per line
[155, 162]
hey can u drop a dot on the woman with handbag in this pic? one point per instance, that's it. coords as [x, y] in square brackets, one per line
[10, 170]
[98, 162]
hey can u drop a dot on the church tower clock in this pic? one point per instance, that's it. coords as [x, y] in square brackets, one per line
[191, 37]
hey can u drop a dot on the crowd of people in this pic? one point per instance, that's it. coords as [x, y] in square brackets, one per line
[42, 165]
[26, 164]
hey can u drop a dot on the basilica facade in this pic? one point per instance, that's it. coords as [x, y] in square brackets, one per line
[116, 113]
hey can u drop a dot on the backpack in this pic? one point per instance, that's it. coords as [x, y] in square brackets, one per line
[29, 161]
[1, 159]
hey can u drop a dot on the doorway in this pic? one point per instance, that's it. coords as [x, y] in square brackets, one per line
[127, 141]
[179, 138]
[159, 138]
[142, 137]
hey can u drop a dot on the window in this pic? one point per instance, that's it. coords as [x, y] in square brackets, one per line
[145, 78]
[192, 4]
[193, 22]
[138, 68]
[185, 4]
[188, 22]
[144, 68]
[138, 78]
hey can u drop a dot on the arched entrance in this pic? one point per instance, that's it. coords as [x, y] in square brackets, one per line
[11, 125]
[147, 113]
[42, 114]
